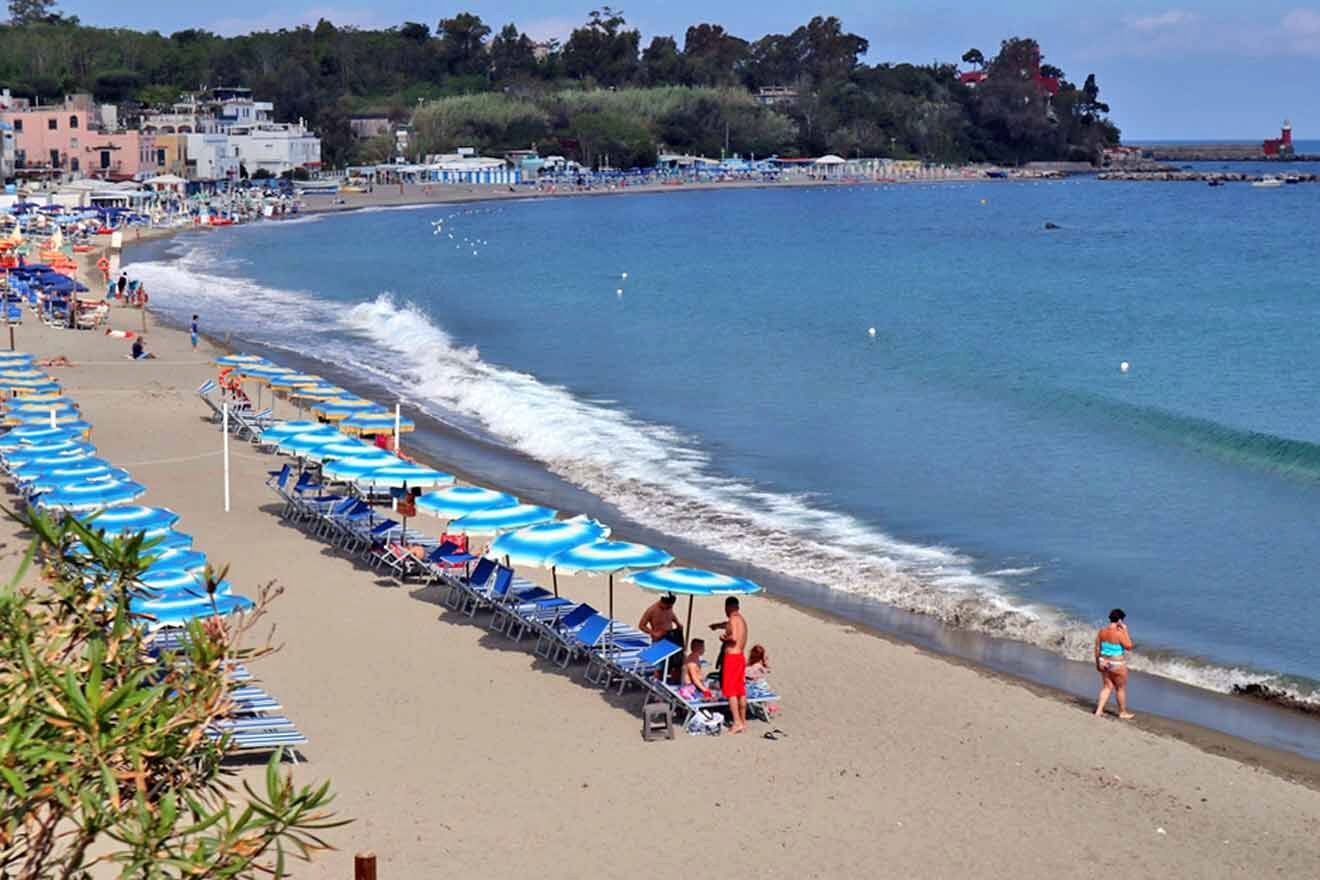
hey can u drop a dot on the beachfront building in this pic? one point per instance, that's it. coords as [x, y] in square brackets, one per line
[276, 148]
[225, 133]
[6, 152]
[72, 139]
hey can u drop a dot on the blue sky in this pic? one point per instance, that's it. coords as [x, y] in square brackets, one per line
[1210, 69]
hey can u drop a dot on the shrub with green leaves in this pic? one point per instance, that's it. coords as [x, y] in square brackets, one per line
[106, 763]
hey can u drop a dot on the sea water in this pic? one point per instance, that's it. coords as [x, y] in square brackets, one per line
[982, 458]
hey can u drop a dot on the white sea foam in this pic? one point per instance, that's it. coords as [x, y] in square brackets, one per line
[654, 474]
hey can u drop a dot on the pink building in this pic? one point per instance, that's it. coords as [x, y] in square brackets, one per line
[68, 141]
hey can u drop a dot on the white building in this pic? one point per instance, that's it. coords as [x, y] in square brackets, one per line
[211, 157]
[276, 148]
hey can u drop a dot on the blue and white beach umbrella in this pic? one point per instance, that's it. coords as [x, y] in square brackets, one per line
[178, 611]
[164, 542]
[92, 495]
[609, 557]
[538, 544]
[15, 359]
[240, 360]
[119, 521]
[184, 558]
[48, 460]
[76, 473]
[280, 430]
[26, 435]
[494, 520]
[405, 475]
[21, 405]
[299, 444]
[72, 422]
[375, 423]
[43, 449]
[456, 501]
[179, 581]
[347, 470]
[33, 387]
[344, 448]
[692, 582]
[292, 379]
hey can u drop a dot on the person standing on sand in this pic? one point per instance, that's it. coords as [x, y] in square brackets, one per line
[659, 620]
[192, 331]
[733, 674]
[1112, 645]
[123, 283]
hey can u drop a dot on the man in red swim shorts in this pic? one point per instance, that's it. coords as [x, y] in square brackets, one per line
[733, 674]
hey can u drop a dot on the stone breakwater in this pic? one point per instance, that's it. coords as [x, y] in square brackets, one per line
[1203, 176]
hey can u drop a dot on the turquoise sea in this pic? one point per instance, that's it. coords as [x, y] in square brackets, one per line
[982, 460]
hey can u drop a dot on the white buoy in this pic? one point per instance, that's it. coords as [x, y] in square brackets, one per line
[619, 291]
[1123, 367]
[871, 333]
[625, 276]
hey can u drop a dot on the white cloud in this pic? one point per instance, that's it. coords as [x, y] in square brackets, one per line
[1170, 19]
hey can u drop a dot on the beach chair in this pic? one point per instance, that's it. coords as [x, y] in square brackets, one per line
[248, 425]
[459, 586]
[550, 633]
[525, 615]
[204, 392]
[639, 667]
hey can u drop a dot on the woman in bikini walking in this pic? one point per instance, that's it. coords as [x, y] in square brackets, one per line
[1112, 645]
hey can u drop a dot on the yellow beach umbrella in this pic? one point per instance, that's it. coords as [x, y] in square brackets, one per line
[318, 392]
[289, 381]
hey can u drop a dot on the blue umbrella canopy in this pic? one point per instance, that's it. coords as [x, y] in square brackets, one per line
[494, 520]
[72, 421]
[78, 472]
[92, 495]
[609, 556]
[39, 413]
[536, 545]
[345, 448]
[692, 582]
[457, 501]
[179, 580]
[183, 558]
[168, 540]
[347, 470]
[23, 405]
[51, 387]
[402, 475]
[118, 521]
[14, 358]
[280, 430]
[240, 360]
[43, 449]
[262, 371]
[178, 610]
[46, 461]
[26, 435]
[292, 379]
[299, 444]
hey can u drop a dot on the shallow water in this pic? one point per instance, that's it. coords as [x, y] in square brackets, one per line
[981, 459]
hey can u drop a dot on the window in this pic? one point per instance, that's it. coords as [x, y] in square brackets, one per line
[18, 125]
[52, 123]
[54, 158]
[160, 157]
[105, 159]
[73, 122]
[20, 158]
[73, 143]
[73, 164]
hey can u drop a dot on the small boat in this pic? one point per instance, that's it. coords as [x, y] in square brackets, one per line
[1293, 178]
[1267, 182]
[1215, 181]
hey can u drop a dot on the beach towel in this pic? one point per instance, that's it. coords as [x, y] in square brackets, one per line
[120, 334]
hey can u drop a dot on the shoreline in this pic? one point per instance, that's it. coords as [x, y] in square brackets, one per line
[1245, 724]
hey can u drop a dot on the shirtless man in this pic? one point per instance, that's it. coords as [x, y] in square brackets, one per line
[659, 619]
[733, 674]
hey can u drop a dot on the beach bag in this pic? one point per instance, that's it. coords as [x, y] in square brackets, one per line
[703, 723]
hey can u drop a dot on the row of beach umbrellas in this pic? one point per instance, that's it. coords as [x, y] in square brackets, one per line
[46, 449]
[523, 533]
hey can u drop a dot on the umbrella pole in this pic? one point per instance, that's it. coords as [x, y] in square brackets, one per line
[611, 637]
[554, 579]
[687, 633]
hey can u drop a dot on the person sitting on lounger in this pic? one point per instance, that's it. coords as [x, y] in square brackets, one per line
[692, 675]
[758, 663]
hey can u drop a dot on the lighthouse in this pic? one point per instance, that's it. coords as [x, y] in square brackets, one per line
[1282, 145]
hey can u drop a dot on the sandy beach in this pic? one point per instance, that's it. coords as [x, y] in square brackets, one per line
[458, 752]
